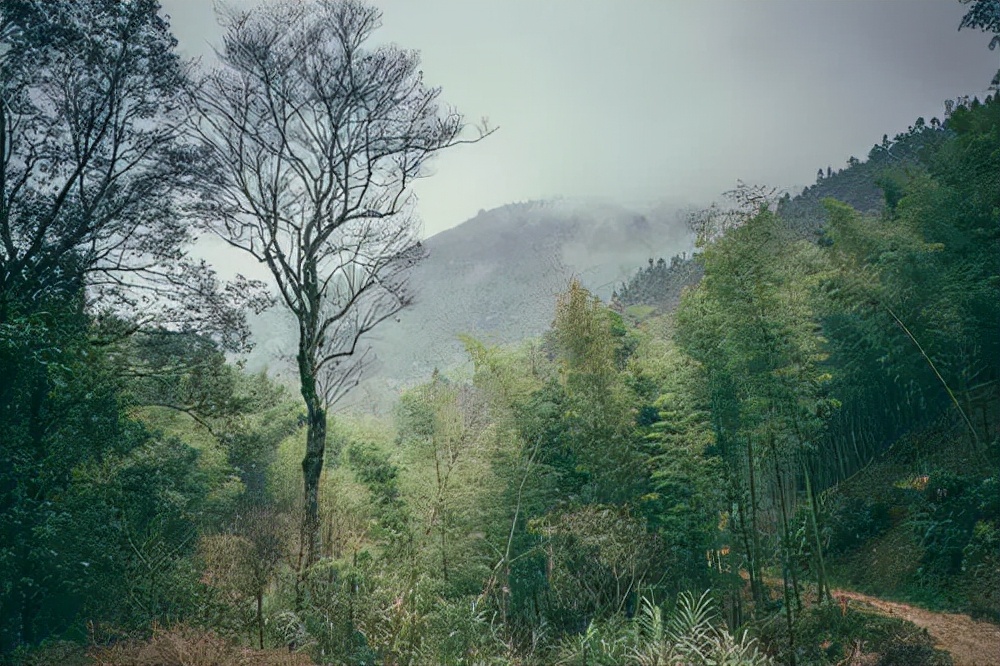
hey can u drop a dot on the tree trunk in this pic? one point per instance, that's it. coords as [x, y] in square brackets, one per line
[787, 574]
[786, 538]
[823, 589]
[312, 463]
[260, 617]
[756, 588]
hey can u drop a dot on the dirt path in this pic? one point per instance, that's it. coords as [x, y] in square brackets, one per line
[970, 642]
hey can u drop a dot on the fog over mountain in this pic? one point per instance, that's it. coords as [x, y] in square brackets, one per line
[496, 277]
[668, 99]
[645, 99]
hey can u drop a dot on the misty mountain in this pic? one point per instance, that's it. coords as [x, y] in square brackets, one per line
[496, 277]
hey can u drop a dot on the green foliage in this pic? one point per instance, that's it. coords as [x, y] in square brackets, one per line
[89, 496]
[101, 507]
[191, 646]
[600, 558]
[939, 512]
[980, 554]
[602, 644]
[983, 15]
[911, 314]
[65, 653]
[919, 284]
[751, 326]
[691, 634]
[447, 444]
[592, 349]
[525, 513]
[946, 518]
[852, 521]
[373, 469]
[530, 513]
[832, 632]
[689, 481]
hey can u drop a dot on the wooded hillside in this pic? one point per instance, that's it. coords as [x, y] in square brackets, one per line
[689, 474]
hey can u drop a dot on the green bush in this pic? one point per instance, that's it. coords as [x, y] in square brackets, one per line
[830, 633]
[693, 634]
[64, 653]
[851, 521]
[946, 522]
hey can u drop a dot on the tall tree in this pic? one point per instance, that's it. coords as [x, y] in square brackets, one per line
[598, 423]
[319, 139]
[750, 324]
[92, 163]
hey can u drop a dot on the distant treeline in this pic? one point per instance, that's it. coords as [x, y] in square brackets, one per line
[660, 283]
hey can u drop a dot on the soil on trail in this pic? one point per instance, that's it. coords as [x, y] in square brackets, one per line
[969, 642]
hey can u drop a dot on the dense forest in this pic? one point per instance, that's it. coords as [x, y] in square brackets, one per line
[696, 473]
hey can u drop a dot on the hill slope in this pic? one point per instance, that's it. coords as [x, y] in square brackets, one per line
[496, 277]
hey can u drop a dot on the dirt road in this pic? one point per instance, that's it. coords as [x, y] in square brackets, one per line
[970, 642]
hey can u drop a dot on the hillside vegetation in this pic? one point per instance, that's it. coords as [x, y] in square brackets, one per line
[630, 462]
[618, 490]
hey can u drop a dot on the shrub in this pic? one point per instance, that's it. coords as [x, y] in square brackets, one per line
[186, 646]
[910, 653]
[852, 521]
[830, 634]
[691, 634]
[952, 509]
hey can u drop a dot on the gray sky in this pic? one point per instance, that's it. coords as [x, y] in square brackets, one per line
[639, 100]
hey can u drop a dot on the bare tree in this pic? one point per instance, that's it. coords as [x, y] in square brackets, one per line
[93, 162]
[319, 139]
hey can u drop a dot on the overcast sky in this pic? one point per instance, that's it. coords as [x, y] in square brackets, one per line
[640, 100]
